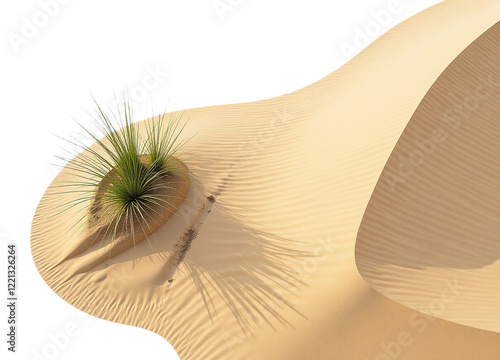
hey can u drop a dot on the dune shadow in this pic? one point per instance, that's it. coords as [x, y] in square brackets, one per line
[437, 201]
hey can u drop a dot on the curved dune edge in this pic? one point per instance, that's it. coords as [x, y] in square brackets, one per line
[434, 217]
[272, 274]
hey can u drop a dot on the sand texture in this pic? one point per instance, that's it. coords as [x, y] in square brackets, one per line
[272, 272]
[434, 216]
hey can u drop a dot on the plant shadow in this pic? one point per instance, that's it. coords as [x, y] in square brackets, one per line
[254, 272]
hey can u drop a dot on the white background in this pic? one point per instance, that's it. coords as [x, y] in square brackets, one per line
[57, 54]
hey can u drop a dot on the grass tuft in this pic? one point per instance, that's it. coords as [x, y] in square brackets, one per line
[119, 178]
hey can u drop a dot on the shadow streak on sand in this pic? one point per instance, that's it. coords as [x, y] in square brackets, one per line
[230, 258]
[234, 260]
[251, 260]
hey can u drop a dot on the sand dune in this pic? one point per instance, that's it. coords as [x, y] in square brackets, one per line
[435, 213]
[272, 273]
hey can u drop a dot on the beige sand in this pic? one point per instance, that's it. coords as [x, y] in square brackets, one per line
[272, 273]
[435, 213]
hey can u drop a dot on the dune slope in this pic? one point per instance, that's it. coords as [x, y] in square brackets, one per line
[435, 213]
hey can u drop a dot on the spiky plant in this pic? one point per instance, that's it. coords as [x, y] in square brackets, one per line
[118, 179]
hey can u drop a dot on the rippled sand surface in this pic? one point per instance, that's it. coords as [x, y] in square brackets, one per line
[273, 272]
